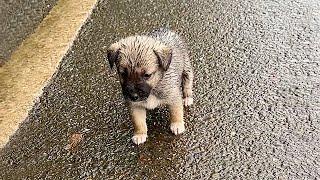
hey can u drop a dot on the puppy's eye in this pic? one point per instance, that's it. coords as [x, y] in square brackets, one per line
[147, 76]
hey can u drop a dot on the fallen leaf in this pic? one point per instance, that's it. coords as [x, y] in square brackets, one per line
[74, 141]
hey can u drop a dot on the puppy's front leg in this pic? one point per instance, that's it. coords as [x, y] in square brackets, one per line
[138, 115]
[176, 113]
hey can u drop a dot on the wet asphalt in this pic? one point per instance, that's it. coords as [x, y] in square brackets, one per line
[257, 98]
[18, 19]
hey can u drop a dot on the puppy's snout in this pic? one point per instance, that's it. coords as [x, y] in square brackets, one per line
[135, 92]
[134, 97]
[130, 93]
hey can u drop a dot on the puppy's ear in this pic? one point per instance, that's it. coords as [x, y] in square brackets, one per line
[113, 54]
[164, 55]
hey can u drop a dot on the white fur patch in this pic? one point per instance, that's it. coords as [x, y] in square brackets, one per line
[177, 128]
[188, 101]
[139, 138]
[151, 103]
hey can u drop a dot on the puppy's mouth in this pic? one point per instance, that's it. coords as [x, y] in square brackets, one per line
[135, 97]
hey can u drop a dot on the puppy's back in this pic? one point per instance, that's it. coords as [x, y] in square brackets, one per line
[169, 38]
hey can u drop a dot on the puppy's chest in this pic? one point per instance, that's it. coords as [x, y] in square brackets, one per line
[152, 102]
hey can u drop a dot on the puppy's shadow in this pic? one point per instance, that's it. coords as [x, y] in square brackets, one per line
[158, 125]
[158, 122]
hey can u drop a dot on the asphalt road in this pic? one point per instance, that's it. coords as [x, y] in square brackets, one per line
[18, 19]
[257, 98]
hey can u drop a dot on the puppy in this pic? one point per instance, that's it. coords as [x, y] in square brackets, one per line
[152, 69]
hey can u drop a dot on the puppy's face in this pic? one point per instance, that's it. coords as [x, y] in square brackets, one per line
[141, 62]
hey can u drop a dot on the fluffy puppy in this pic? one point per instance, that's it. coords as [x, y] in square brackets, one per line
[154, 70]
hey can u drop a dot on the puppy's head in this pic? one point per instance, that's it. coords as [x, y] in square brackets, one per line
[141, 62]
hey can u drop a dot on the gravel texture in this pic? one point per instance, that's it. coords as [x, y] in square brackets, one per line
[257, 98]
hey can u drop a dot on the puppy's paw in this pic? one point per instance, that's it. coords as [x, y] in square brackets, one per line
[188, 101]
[177, 128]
[139, 138]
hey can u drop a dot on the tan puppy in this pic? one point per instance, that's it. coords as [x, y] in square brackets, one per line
[152, 69]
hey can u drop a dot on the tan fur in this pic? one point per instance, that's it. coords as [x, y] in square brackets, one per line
[163, 56]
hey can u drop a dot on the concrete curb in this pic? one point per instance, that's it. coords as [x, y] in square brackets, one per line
[34, 62]
[18, 20]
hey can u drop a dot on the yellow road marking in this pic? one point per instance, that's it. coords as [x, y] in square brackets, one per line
[34, 62]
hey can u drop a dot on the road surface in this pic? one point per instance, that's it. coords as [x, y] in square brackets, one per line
[257, 98]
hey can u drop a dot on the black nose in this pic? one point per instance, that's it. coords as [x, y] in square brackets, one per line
[134, 97]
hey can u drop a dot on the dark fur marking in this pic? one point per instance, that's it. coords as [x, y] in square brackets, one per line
[113, 57]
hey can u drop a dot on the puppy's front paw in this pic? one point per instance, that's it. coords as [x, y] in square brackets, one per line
[188, 101]
[139, 138]
[177, 128]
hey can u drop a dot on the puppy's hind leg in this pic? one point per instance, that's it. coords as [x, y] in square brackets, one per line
[187, 83]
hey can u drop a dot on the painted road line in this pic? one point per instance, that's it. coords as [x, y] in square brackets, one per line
[34, 62]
